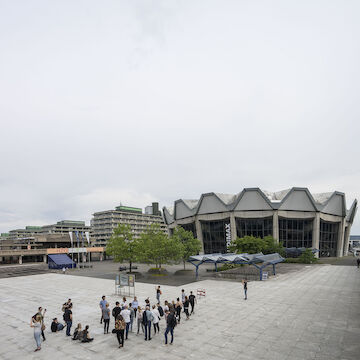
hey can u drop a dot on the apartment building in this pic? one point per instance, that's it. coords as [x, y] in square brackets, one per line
[104, 222]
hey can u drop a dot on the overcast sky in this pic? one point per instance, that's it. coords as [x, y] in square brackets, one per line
[103, 102]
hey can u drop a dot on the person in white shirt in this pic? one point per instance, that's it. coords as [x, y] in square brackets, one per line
[156, 318]
[125, 313]
[183, 295]
[124, 302]
[166, 306]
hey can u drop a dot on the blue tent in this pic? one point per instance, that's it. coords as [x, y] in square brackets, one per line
[60, 261]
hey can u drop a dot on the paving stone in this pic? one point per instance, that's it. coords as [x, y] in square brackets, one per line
[310, 314]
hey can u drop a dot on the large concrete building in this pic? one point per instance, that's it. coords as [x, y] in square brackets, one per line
[61, 227]
[33, 243]
[295, 217]
[104, 222]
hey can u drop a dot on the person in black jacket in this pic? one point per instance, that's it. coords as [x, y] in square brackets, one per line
[116, 310]
[170, 325]
[192, 299]
[56, 326]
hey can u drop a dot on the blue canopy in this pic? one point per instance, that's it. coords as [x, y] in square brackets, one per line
[260, 261]
[60, 261]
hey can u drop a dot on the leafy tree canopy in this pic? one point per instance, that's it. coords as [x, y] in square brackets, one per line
[189, 245]
[157, 247]
[123, 246]
[253, 245]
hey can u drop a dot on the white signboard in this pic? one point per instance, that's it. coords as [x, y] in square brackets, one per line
[228, 234]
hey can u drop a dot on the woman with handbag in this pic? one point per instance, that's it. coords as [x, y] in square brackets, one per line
[36, 324]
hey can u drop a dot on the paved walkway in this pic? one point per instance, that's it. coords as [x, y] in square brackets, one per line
[310, 314]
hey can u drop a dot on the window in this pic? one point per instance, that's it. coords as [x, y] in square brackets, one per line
[214, 236]
[329, 233]
[190, 227]
[259, 228]
[296, 232]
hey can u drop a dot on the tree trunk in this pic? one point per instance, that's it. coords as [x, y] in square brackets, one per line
[130, 265]
[184, 264]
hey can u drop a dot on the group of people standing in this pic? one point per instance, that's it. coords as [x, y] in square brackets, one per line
[127, 314]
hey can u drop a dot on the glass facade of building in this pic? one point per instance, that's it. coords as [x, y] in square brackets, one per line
[296, 232]
[190, 227]
[214, 236]
[259, 228]
[329, 232]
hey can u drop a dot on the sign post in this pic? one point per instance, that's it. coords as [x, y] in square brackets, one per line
[125, 284]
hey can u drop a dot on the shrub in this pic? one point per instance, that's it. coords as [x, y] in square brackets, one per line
[307, 257]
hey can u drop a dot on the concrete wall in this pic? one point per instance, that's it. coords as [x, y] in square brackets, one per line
[343, 238]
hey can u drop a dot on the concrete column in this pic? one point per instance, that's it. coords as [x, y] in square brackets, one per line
[346, 240]
[199, 235]
[20, 259]
[340, 243]
[233, 227]
[316, 233]
[44, 258]
[276, 226]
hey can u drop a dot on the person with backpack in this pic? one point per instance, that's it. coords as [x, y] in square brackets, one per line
[160, 309]
[147, 320]
[170, 326]
[68, 319]
[65, 305]
[178, 307]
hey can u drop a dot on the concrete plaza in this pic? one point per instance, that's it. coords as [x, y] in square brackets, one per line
[311, 314]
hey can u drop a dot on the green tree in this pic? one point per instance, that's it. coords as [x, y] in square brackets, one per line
[157, 247]
[307, 257]
[247, 244]
[189, 245]
[253, 245]
[272, 246]
[123, 246]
